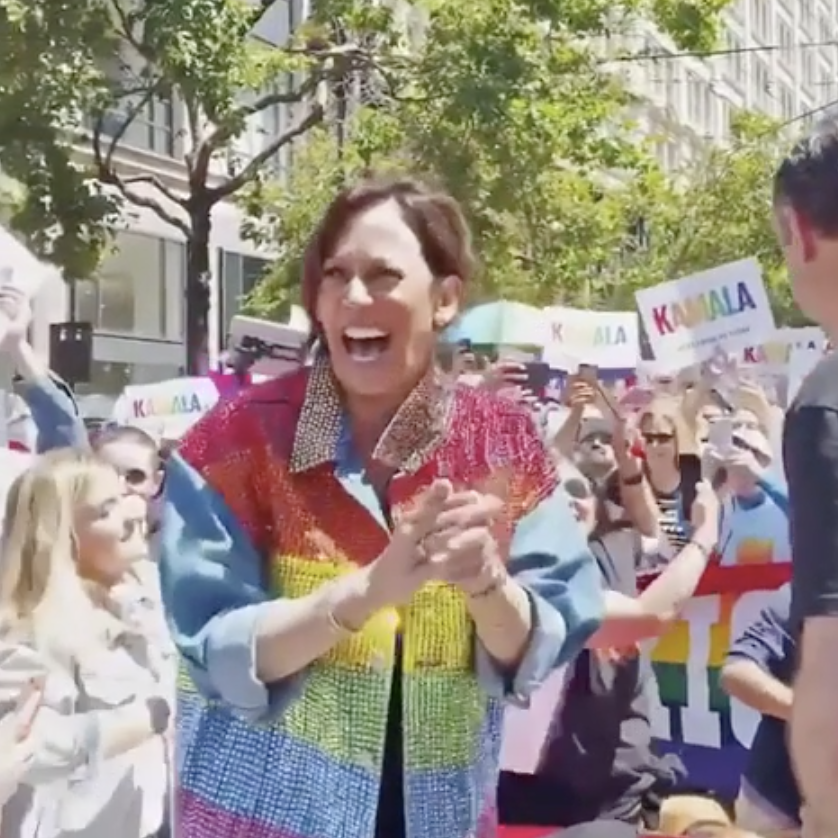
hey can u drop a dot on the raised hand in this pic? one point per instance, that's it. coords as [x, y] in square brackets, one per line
[15, 307]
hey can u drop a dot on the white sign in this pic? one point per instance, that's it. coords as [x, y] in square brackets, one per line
[526, 732]
[278, 349]
[688, 320]
[773, 356]
[605, 339]
[168, 409]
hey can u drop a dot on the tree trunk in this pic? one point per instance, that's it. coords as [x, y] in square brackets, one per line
[198, 279]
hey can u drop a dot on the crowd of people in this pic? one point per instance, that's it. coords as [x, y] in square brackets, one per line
[309, 618]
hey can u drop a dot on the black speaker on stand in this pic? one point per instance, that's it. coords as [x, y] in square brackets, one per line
[71, 351]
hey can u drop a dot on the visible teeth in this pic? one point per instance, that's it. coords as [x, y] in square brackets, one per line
[364, 334]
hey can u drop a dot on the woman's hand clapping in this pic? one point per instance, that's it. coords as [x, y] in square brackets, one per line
[446, 538]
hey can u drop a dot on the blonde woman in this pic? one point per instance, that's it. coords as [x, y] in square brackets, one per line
[97, 765]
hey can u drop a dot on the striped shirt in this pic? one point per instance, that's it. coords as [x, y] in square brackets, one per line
[670, 519]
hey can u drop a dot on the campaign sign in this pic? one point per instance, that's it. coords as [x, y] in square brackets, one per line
[605, 339]
[690, 320]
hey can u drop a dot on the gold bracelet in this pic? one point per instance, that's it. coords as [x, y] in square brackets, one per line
[493, 587]
[337, 626]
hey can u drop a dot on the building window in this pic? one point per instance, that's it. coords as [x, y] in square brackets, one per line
[734, 57]
[826, 28]
[762, 82]
[807, 14]
[786, 102]
[138, 289]
[239, 275]
[807, 67]
[110, 378]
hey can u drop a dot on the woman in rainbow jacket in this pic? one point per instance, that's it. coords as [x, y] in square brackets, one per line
[363, 560]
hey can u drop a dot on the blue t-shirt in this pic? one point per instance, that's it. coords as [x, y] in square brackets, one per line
[769, 643]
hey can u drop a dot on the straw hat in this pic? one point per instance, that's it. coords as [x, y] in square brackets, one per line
[679, 812]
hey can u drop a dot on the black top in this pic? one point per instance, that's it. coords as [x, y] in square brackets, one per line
[810, 456]
[390, 820]
[603, 745]
[769, 643]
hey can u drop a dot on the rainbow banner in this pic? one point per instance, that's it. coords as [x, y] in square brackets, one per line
[692, 717]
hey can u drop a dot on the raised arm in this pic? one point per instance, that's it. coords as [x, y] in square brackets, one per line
[747, 673]
[53, 408]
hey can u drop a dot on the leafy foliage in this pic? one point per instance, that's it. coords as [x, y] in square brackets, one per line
[75, 76]
[515, 107]
[719, 210]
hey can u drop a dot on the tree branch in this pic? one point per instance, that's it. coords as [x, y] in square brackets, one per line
[125, 21]
[153, 180]
[249, 172]
[107, 175]
[138, 200]
[223, 133]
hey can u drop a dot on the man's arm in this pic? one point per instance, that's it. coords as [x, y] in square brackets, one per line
[747, 673]
[812, 468]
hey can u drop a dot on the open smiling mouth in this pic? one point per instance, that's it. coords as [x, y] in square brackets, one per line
[365, 345]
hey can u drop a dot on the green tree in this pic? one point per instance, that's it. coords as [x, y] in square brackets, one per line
[74, 77]
[515, 107]
[717, 210]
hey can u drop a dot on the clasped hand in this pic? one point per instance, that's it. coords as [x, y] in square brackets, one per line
[447, 538]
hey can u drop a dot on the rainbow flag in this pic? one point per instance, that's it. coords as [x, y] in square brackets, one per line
[693, 717]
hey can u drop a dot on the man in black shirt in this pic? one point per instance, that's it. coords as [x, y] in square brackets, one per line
[806, 214]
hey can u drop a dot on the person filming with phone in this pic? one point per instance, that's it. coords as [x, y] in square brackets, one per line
[754, 517]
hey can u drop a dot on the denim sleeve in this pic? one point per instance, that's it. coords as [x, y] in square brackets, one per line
[766, 640]
[550, 559]
[213, 588]
[54, 413]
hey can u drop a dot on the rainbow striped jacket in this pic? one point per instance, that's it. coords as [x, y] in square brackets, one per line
[265, 499]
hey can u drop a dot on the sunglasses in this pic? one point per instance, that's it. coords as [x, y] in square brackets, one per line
[135, 476]
[658, 439]
[597, 438]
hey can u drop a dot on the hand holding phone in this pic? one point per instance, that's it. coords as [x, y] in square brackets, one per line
[537, 376]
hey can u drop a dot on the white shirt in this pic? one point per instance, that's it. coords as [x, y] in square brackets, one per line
[68, 789]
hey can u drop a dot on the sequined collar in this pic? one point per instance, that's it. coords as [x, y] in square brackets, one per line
[413, 433]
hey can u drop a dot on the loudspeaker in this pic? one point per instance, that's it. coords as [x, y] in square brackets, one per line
[71, 351]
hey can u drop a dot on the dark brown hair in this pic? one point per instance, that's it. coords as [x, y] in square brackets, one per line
[807, 180]
[435, 218]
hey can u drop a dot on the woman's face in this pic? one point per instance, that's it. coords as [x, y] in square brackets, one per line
[380, 306]
[658, 434]
[746, 419]
[100, 530]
